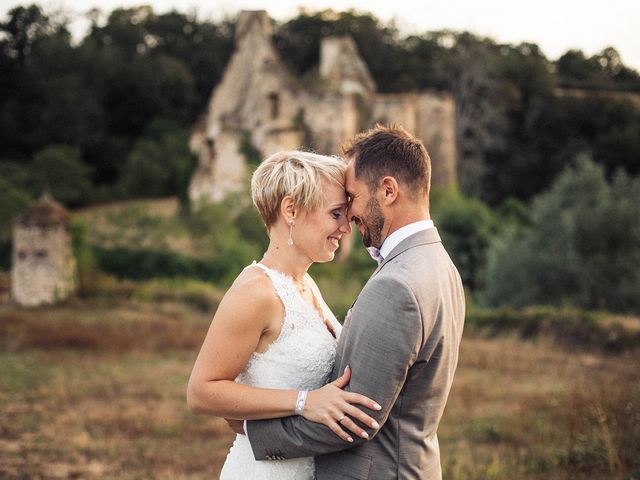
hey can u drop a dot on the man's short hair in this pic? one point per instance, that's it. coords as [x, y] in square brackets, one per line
[389, 150]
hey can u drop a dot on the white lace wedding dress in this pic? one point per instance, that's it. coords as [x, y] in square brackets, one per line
[301, 358]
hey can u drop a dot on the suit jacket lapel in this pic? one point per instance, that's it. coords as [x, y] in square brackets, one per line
[423, 237]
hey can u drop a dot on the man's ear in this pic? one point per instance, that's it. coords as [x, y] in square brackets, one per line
[288, 209]
[388, 190]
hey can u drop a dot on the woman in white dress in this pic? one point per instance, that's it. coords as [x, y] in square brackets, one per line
[273, 338]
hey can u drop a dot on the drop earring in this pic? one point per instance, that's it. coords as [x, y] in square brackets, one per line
[290, 240]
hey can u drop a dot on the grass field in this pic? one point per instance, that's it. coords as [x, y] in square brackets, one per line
[96, 389]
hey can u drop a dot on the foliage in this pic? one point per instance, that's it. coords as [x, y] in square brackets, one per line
[298, 42]
[553, 132]
[196, 294]
[102, 94]
[142, 264]
[466, 226]
[13, 201]
[568, 327]
[227, 236]
[85, 261]
[251, 154]
[160, 164]
[582, 246]
[59, 170]
[604, 70]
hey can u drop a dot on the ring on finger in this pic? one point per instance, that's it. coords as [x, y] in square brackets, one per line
[341, 418]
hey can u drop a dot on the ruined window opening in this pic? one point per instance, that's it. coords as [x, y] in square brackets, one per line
[211, 148]
[42, 254]
[22, 254]
[274, 100]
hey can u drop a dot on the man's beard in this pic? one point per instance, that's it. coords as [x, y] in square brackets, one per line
[373, 222]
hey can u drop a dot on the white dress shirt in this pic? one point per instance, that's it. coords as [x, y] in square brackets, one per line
[399, 235]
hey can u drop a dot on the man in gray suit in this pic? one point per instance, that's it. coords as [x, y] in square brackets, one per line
[402, 335]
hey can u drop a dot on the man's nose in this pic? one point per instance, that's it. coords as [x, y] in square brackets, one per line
[350, 215]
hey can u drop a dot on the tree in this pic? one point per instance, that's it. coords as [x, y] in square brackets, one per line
[574, 66]
[582, 247]
[482, 102]
[298, 42]
[13, 201]
[467, 226]
[59, 169]
[160, 164]
[24, 27]
[603, 70]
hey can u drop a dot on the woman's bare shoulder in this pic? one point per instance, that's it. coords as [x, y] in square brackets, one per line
[252, 292]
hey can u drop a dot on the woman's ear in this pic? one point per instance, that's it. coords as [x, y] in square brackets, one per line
[288, 209]
[388, 190]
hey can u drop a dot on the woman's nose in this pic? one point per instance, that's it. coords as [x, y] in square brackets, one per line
[345, 226]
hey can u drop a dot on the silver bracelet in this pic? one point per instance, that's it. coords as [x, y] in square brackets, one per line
[302, 399]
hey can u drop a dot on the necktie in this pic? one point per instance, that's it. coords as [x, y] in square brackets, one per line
[375, 254]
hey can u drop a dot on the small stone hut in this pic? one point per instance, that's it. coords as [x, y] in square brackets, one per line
[43, 266]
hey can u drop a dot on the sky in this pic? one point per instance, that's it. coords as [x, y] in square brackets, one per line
[555, 25]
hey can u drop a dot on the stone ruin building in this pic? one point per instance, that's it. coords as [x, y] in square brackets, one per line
[43, 266]
[259, 101]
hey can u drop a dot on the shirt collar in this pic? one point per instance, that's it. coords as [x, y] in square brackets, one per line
[399, 235]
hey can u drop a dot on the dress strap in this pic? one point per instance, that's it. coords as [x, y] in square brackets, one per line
[283, 286]
[256, 264]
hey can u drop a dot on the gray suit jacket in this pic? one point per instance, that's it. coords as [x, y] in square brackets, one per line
[401, 341]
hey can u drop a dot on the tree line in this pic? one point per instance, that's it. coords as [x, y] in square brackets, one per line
[548, 187]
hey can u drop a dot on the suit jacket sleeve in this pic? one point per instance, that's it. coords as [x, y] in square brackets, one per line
[380, 342]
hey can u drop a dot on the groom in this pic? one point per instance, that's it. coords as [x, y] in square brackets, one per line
[402, 335]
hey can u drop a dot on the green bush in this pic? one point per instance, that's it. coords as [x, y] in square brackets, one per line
[59, 169]
[84, 256]
[196, 294]
[581, 248]
[466, 226]
[143, 264]
[569, 327]
[146, 264]
[13, 200]
[159, 164]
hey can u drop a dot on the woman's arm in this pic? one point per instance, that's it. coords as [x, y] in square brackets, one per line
[248, 319]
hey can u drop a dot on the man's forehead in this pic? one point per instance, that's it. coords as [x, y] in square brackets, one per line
[349, 186]
[350, 174]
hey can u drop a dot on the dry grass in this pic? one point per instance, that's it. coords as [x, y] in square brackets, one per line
[93, 390]
[530, 410]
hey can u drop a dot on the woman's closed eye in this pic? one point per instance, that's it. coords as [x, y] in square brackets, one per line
[338, 212]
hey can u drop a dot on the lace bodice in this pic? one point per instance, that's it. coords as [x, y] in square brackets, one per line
[301, 358]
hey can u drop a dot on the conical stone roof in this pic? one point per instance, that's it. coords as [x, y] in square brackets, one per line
[45, 212]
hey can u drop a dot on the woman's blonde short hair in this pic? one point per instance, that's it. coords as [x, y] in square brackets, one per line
[294, 173]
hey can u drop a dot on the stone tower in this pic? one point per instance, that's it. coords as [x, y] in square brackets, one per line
[255, 97]
[43, 266]
[343, 69]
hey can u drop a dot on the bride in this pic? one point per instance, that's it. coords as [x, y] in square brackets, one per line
[270, 348]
